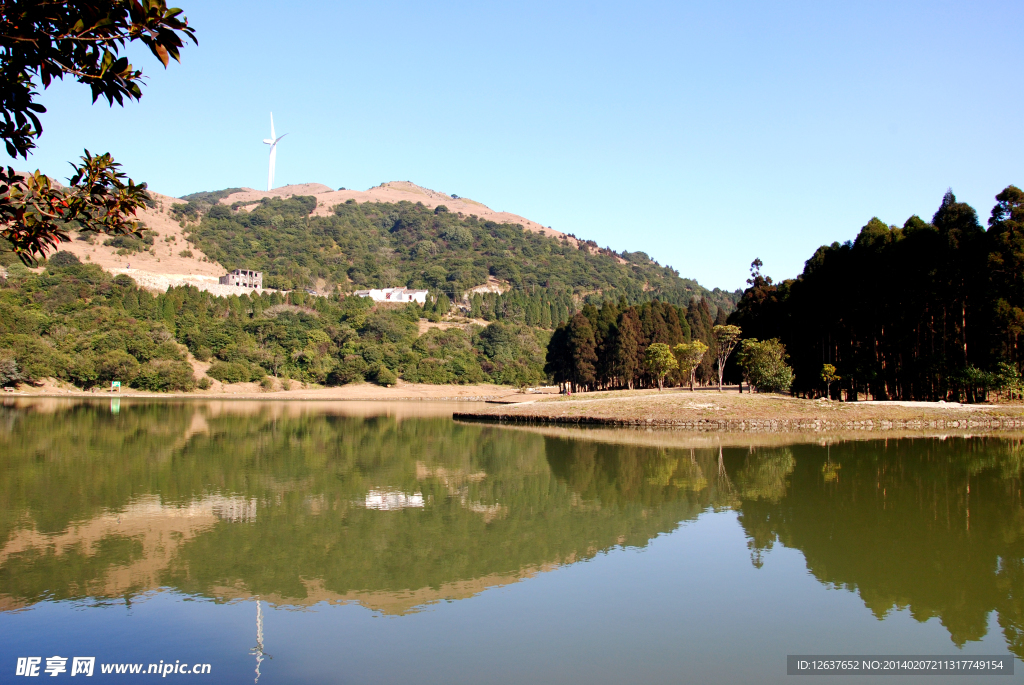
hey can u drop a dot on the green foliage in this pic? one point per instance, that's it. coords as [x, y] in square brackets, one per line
[606, 347]
[659, 361]
[385, 376]
[726, 339]
[1008, 381]
[63, 259]
[78, 324]
[9, 373]
[232, 372]
[132, 243]
[46, 41]
[764, 364]
[829, 375]
[688, 357]
[163, 375]
[384, 245]
[925, 311]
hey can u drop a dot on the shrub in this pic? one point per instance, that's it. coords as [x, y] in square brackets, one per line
[62, 259]
[267, 384]
[204, 383]
[219, 211]
[163, 375]
[351, 369]
[385, 376]
[764, 364]
[35, 358]
[133, 242]
[9, 374]
[231, 372]
[117, 365]
[168, 350]
[82, 370]
[185, 253]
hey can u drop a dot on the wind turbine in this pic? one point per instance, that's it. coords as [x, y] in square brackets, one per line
[272, 142]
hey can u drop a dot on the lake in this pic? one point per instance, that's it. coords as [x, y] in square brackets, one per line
[314, 542]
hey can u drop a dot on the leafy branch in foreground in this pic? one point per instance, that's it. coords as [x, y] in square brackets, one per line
[46, 40]
[35, 213]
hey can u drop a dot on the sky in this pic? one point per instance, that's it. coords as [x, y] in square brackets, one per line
[705, 134]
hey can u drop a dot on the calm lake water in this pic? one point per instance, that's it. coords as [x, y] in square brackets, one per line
[385, 543]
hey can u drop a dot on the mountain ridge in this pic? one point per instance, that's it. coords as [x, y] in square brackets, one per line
[174, 251]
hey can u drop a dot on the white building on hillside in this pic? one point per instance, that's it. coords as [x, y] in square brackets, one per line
[243, 277]
[393, 295]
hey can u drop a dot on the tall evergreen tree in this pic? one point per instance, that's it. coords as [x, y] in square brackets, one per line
[582, 352]
[922, 311]
[629, 348]
[1006, 261]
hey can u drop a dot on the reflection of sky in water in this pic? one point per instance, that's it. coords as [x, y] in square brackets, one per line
[688, 608]
[388, 544]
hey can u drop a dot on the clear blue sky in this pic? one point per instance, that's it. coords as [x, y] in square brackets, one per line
[706, 134]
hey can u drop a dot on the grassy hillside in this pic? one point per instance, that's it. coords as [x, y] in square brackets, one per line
[381, 245]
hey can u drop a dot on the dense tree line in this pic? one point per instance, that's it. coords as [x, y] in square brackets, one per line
[76, 323]
[927, 311]
[363, 245]
[612, 346]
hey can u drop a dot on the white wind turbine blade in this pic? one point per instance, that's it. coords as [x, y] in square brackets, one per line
[272, 136]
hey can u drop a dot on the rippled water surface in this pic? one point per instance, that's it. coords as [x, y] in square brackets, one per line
[384, 543]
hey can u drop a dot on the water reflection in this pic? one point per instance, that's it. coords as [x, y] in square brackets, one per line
[396, 507]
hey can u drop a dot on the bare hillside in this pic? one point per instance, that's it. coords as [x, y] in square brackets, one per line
[168, 244]
[395, 191]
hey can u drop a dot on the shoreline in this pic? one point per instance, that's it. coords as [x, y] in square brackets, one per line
[747, 425]
[704, 411]
[357, 392]
[713, 412]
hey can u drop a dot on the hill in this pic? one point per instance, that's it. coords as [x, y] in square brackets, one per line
[401, 234]
[393, 192]
[85, 318]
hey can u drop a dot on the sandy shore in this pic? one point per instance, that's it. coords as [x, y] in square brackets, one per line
[701, 411]
[731, 411]
[253, 391]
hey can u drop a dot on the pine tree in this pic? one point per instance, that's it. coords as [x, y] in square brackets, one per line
[1006, 260]
[582, 351]
[627, 349]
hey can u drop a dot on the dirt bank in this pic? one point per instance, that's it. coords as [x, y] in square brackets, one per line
[253, 391]
[731, 411]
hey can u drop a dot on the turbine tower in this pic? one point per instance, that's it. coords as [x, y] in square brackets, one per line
[272, 142]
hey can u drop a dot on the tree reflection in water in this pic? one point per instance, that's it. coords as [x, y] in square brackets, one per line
[105, 506]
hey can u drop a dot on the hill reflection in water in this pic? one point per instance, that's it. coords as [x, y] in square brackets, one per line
[395, 507]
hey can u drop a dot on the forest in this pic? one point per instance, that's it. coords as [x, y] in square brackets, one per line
[608, 346]
[923, 311]
[363, 245]
[76, 323]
